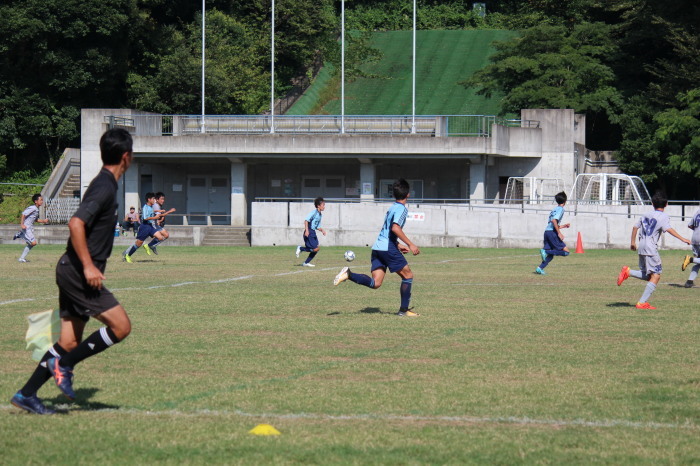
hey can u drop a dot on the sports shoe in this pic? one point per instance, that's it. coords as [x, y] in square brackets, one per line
[148, 249]
[18, 235]
[31, 404]
[406, 313]
[128, 259]
[154, 250]
[308, 264]
[539, 271]
[298, 251]
[63, 376]
[688, 284]
[686, 261]
[624, 275]
[22, 260]
[342, 276]
[543, 255]
[645, 306]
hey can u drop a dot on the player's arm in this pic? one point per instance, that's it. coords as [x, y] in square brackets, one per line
[673, 232]
[398, 231]
[306, 228]
[633, 240]
[78, 239]
[21, 222]
[45, 221]
[555, 224]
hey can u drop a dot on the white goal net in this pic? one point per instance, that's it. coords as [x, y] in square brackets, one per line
[610, 189]
[531, 190]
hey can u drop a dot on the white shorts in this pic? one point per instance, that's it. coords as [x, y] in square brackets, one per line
[650, 264]
[696, 249]
[29, 235]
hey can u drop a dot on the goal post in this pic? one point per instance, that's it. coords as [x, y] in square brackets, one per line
[609, 189]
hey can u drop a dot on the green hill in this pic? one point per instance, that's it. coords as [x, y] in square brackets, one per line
[444, 59]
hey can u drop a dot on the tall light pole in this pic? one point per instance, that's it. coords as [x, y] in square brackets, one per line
[342, 67]
[413, 91]
[272, 73]
[203, 129]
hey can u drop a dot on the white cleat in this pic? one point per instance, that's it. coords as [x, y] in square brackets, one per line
[308, 264]
[298, 251]
[342, 276]
[22, 260]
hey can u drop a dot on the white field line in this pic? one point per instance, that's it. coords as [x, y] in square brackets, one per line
[522, 421]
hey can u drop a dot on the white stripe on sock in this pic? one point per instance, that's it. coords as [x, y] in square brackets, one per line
[105, 337]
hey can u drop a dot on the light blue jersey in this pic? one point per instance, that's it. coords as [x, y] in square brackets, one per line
[147, 212]
[556, 214]
[396, 214]
[314, 219]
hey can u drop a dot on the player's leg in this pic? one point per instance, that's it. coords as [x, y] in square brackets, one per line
[161, 236]
[545, 254]
[653, 267]
[30, 243]
[311, 243]
[405, 291]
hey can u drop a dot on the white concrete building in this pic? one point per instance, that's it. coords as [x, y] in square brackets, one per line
[213, 177]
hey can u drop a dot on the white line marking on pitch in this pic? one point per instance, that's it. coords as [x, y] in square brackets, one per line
[392, 417]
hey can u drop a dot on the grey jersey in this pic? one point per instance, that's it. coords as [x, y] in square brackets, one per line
[651, 225]
[31, 213]
[694, 224]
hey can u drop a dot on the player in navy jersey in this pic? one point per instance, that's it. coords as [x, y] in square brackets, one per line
[694, 225]
[553, 237]
[29, 217]
[650, 227]
[79, 276]
[312, 222]
[387, 251]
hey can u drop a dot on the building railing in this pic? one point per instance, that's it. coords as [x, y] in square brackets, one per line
[421, 125]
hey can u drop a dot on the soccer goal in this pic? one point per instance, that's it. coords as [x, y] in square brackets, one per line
[610, 189]
[531, 190]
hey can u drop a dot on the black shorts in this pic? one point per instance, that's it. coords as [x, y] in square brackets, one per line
[75, 297]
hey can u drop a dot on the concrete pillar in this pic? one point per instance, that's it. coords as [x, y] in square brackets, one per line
[367, 181]
[477, 180]
[239, 204]
[131, 190]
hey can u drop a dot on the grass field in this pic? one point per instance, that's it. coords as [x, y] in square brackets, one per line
[444, 58]
[504, 366]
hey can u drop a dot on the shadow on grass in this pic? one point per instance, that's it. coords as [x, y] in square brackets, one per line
[367, 310]
[81, 403]
[679, 285]
[620, 305]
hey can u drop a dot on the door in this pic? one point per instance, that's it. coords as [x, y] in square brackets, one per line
[208, 200]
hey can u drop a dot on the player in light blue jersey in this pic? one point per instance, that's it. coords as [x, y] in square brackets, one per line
[311, 224]
[146, 229]
[694, 225]
[29, 216]
[553, 237]
[650, 227]
[388, 252]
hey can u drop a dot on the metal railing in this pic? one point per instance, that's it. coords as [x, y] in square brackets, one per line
[421, 125]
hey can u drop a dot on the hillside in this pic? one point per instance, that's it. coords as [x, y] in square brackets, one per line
[444, 59]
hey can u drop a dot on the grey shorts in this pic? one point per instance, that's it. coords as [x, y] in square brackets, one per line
[650, 264]
[29, 235]
[696, 249]
[75, 297]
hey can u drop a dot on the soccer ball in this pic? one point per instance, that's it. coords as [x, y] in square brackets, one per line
[349, 256]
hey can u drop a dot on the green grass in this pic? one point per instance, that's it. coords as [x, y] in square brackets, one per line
[504, 366]
[444, 58]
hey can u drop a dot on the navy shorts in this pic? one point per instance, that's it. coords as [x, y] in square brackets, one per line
[311, 241]
[146, 230]
[393, 259]
[75, 297]
[552, 241]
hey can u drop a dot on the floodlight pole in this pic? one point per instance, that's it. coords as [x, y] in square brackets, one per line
[272, 74]
[342, 67]
[413, 86]
[203, 128]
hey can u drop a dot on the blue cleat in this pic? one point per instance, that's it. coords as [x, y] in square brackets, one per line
[543, 255]
[31, 404]
[63, 376]
[154, 250]
[539, 271]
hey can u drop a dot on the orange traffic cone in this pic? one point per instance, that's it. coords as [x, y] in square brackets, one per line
[579, 244]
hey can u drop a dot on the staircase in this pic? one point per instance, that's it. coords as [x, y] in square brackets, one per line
[71, 188]
[226, 236]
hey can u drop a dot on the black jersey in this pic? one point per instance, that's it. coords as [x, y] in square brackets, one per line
[98, 210]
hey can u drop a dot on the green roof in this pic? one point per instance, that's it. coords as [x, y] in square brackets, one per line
[444, 58]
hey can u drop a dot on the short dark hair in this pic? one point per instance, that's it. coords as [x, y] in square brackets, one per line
[659, 200]
[318, 201]
[148, 196]
[36, 197]
[159, 194]
[113, 144]
[560, 197]
[401, 189]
